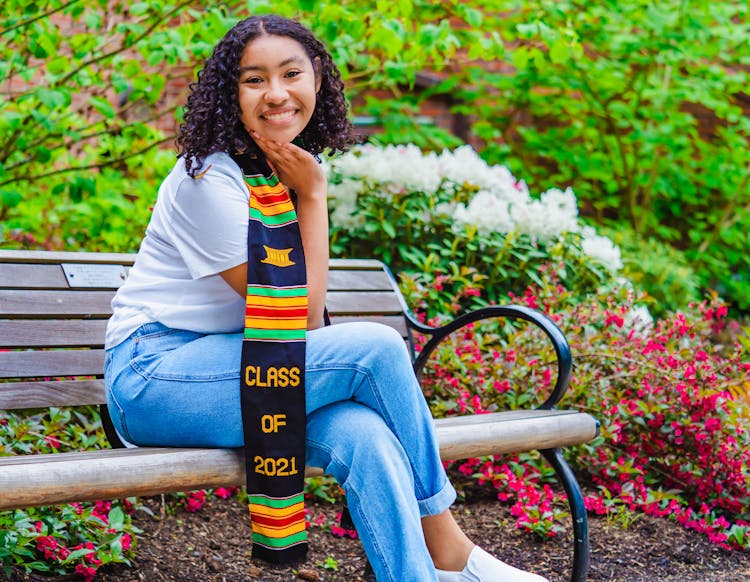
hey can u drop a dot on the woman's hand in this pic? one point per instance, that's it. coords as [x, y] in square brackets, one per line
[297, 169]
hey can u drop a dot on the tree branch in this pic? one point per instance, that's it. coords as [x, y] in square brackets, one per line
[37, 17]
[106, 131]
[728, 218]
[90, 166]
[123, 47]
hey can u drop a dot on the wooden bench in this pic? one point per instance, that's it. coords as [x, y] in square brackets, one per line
[53, 312]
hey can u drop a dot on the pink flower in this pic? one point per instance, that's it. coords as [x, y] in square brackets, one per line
[126, 541]
[225, 492]
[196, 500]
[85, 572]
[52, 441]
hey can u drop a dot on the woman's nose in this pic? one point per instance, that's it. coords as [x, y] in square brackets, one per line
[276, 92]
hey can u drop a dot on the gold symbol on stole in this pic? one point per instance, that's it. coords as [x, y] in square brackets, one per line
[278, 257]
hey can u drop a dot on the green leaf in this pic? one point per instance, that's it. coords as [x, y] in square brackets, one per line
[116, 518]
[103, 106]
[92, 19]
[560, 52]
[521, 57]
[473, 16]
[58, 65]
[53, 98]
[77, 554]
[42, 155]
[388, 229]
[139, 8]
[11, 198]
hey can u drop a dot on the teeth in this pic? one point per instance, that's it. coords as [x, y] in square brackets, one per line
[275, 116]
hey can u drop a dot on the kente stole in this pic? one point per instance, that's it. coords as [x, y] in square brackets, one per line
[272, 379]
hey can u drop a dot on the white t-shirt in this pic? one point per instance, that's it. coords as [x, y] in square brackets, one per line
[198, 229]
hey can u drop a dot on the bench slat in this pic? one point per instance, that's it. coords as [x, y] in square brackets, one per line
[363, 264]
[96, 304]
[32, 276]
[42, 394]
[395, 321]
[53, 257]
[340, 280]
[363, 303]
[20, 333]
[111, 474]
[42, 364]
[17, 304]
[57, 257]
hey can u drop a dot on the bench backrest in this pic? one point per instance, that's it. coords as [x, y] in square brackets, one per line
[54, 309]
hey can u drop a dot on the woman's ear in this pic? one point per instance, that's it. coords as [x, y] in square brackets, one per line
[318, 68]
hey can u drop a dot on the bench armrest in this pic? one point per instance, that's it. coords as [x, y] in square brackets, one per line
[555, 335]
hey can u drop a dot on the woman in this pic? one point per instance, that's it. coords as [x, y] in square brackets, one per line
[174, 342]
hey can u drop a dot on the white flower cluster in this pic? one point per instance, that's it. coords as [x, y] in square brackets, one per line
[601, 249]
[499, 202]
[639, 321]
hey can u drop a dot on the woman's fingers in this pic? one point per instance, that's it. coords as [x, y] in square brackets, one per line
[268, 146]
[295, 167]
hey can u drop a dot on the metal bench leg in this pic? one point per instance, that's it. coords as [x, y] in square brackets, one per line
[581, 557]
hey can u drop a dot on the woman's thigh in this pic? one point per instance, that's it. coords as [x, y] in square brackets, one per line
[177, 388]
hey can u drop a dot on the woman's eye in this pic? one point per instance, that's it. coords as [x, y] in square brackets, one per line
[293, 73]
[254, 80]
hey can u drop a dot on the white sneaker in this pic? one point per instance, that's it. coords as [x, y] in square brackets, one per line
[481, 567]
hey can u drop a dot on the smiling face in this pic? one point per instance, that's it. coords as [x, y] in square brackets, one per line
[277, 87]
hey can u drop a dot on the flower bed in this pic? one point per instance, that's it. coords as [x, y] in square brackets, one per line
[671, 397]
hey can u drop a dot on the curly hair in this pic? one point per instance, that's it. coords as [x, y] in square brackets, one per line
[212, 114]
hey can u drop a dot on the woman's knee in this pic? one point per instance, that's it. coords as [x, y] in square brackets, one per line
[347, 434]
[359, 339]
[378, 344]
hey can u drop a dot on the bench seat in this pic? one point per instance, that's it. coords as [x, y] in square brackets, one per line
[118, 473]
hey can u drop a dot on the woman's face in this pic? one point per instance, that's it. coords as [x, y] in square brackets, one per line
[277, 87]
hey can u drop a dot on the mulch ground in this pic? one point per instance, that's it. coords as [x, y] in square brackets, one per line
[211, 546]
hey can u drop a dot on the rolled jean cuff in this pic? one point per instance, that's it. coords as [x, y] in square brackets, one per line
[439, 502]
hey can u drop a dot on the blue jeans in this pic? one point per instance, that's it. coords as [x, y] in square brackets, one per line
[367, 422]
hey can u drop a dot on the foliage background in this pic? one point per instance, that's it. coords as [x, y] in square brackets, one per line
[637, 105]
[641, 107]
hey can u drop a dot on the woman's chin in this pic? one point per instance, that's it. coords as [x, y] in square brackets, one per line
[279, 135]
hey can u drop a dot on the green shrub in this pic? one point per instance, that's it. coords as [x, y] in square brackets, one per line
[78, 537]
[107, 212]
[663, 272]
[639, 106]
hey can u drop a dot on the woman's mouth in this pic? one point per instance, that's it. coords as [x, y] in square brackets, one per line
[279, 116]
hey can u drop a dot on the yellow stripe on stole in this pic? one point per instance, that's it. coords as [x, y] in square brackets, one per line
[278, 532]
[268, 189]
[273, 323]
[276, 512]
[260, 301]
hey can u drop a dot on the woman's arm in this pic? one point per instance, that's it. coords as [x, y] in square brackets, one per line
[298, 170]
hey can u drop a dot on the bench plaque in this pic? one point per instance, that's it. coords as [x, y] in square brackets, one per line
[95, 276]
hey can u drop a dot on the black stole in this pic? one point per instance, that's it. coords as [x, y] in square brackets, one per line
[272, 378]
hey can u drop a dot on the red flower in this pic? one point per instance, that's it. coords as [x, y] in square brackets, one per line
[85, 572]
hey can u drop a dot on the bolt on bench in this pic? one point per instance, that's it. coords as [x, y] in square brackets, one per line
[54, 308]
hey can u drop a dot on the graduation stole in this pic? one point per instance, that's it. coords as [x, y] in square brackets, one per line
[272, 378]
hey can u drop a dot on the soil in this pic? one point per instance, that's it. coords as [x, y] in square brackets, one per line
[211, 546]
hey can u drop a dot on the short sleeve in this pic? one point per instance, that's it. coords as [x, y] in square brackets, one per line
[209, 218]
